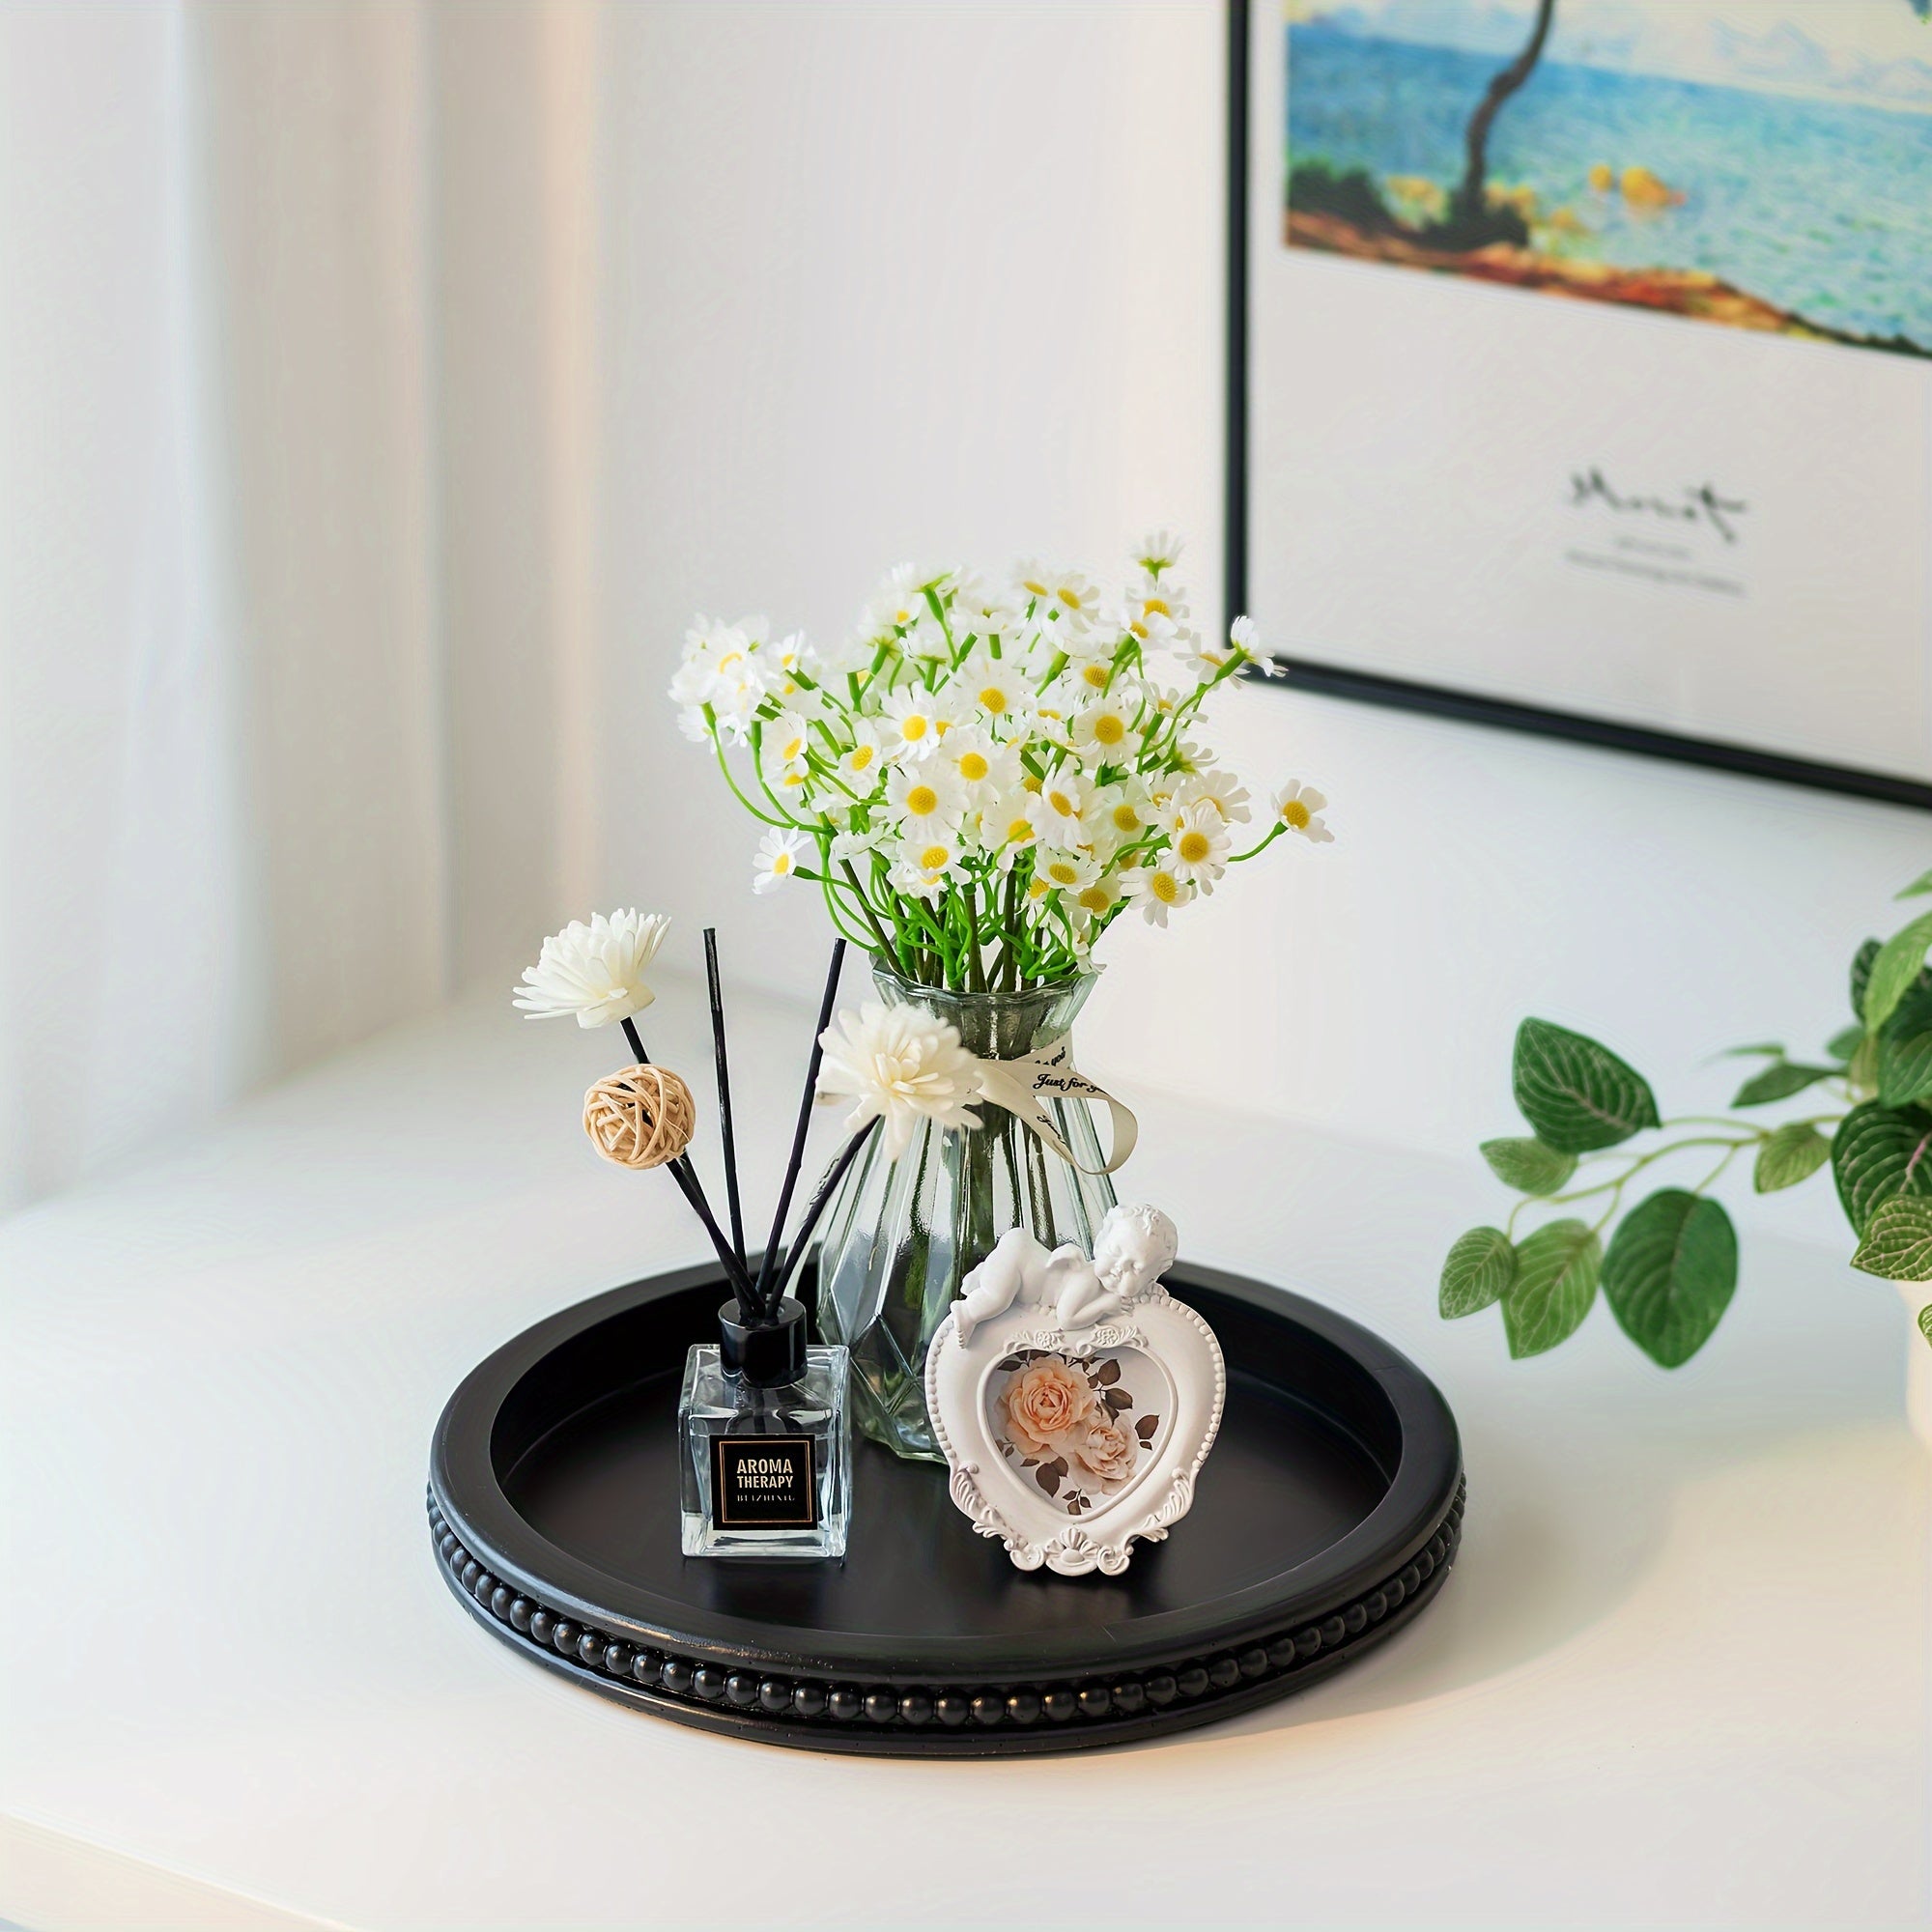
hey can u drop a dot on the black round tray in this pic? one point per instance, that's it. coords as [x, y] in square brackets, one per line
[1326, 1518]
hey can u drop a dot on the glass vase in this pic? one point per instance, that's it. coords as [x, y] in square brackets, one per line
[901, 1234]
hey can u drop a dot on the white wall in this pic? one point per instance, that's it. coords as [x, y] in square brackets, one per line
[945, 280]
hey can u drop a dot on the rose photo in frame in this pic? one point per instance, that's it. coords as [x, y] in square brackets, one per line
[1580, 369]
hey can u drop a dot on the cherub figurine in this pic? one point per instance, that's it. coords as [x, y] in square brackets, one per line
[1134, 1247]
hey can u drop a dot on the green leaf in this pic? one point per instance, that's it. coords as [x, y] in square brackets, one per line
[1478, 1272]
[1898, 1242]
[1556, 1272]
[1671, 1274]
[1898, 963]
[1577, 1095]
[1769, 1051]
[1905, 1049]
[1792, 1153]
[1861, 966]
[1779, 1083]
[1879, 1153]
[1921, 884]
[1925, 1320]
[1845, 1042]
[1528, 1166]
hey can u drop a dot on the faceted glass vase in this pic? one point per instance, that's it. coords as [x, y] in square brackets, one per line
[902, 1234]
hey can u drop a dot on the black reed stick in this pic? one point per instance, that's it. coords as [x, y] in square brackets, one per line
[724, 1091]
[693, 1189]
[834, 1175]
[767, 1308]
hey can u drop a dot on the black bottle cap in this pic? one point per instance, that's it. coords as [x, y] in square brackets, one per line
[768, 1353]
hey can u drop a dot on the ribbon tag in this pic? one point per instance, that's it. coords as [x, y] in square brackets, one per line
[1018, 1085]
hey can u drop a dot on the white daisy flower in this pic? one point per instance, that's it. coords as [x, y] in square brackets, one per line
[995, 687]
[861, 761]
[980, 766]
[983, 608]
[595, 972]
[1105, 733]
[1157, 615]
[900, 1065]
[1197, 846]
[911, 723]
[1299, 807]
[1058, 807]
[1122, 810]
[1006, 827]
[926, 861]
[898, 605]
[849, 846]
[1063, 869]
[1246, 638]
[1064, 598]
[1158, 550]
[1211, 784]
[1157, 889]
[785, 741]
[926, 798]
[1098, 897]
[779, 854]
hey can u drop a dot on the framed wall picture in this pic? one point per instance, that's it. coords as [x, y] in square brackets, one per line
[1580, 369]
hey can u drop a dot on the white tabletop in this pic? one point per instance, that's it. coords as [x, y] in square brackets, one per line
[1679, 1675]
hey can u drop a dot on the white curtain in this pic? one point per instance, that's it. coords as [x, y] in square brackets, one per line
[296, 579]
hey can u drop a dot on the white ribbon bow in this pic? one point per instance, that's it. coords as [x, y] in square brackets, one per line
[1017, 1085]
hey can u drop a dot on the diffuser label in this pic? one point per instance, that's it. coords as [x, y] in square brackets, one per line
[765, 1482]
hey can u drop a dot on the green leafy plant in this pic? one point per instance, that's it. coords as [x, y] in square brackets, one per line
[1671, 1263]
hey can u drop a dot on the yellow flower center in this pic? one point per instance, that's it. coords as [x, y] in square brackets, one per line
[861, 757]
[993, 698]
[1296, 814]
[1070, 597]
[921, 801]
[729, 659]
[1108, 729]
[793, 747]
[792, 781]
[1061, 805]
[932, 859]
[1062, 873]
[1019, 831]
[911, 727]
[1097, 899]
[1038, 889]
[1194, 846]
[1094, 675]
[903, 616]
[1125, 818]
[1038, 589]
[972, 766]
[1030, 783]
[781, 863]
[1157, 606]
[1166, 888]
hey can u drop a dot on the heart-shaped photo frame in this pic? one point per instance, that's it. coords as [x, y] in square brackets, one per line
[1074, 1399]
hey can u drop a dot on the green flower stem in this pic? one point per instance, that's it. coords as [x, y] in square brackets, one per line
[1615, 1185]
[723, 765]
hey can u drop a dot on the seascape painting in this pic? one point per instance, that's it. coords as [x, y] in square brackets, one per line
[1765, 164]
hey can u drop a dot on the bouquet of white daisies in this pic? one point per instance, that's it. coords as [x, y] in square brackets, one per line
[990, 771]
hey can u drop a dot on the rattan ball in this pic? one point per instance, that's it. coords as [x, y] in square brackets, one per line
[640, 1117]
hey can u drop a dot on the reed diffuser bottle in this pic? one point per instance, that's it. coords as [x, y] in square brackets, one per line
[767, 1440]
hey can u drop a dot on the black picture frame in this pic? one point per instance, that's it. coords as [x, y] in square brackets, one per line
[1330, 680]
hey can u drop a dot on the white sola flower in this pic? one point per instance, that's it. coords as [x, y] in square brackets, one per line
[900, 1065]
[1157, 550]
[595, 972]
[777, 861]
